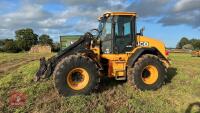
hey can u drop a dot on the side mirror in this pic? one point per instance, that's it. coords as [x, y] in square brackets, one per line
[141, 31]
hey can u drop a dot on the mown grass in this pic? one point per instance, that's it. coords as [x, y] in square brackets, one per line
[8, 57]
[10, 61]
[180, 92]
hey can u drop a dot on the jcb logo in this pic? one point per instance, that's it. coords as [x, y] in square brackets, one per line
[143, 43]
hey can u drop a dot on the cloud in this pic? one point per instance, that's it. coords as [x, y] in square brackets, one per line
[79, 16]
[169, 12]
[191, 18]
[26, 16]
[81, 25]
[33, 15]
[6, 33]
[149, 8]
[184, 12]
[187, 5]
[83, 3]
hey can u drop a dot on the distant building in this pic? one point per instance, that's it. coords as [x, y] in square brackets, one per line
[40, 49]
[67, 40]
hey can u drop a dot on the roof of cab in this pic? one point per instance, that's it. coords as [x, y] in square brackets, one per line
[118, 13]
[121, 13]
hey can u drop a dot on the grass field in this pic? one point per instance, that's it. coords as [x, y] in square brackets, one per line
[9, 61]
[180, 94]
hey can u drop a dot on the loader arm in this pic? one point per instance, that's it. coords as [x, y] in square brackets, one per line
[47, 66]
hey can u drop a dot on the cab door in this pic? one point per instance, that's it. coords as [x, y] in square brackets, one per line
[124, 34]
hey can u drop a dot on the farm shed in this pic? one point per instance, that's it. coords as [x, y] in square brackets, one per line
[40, 49]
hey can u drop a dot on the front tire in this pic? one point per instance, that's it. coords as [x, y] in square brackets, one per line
[75, 74]
[148, 73]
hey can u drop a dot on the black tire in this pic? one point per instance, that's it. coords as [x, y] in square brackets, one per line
[144, 61]
[69, 63]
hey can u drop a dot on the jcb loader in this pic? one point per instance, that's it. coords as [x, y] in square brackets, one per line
[117, 51]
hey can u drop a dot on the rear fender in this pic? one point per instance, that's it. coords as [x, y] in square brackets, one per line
[141, 51]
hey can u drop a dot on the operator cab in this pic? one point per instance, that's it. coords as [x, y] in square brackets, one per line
[117, 32]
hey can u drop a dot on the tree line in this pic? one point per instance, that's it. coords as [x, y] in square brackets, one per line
[185, 43]
[25, 39]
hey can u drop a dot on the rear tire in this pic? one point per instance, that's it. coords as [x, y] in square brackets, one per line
[72, 68]
[148, 73]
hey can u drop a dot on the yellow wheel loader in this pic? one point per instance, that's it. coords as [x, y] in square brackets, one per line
[117, 51]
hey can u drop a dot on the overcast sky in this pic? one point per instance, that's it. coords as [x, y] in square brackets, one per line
[166, 20]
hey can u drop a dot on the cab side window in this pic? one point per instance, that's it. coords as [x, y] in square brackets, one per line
[123, 36]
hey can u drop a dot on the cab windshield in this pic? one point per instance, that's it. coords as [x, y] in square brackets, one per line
[102, 22]
[105, 34]
[104, 28]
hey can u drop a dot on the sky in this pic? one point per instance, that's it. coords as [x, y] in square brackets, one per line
[165, 20]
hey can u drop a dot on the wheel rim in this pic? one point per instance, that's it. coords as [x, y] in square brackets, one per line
[149, 74]
[77, 78]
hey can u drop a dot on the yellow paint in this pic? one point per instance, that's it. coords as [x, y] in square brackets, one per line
[117, 68]
[107, 14]
[78, 85]
[113, 58]
[151, 76]
[121, 13]
[118, 62]
[153, 43]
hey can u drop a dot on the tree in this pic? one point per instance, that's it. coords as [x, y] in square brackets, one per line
[182, 42]
[1, 45]
[10, 46]
[26, 38]
[56, 47]
[45, 40]
[1, 42]
[195, 43]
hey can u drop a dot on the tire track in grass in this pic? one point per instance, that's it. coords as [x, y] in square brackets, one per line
[4, 68]
[17, 61]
